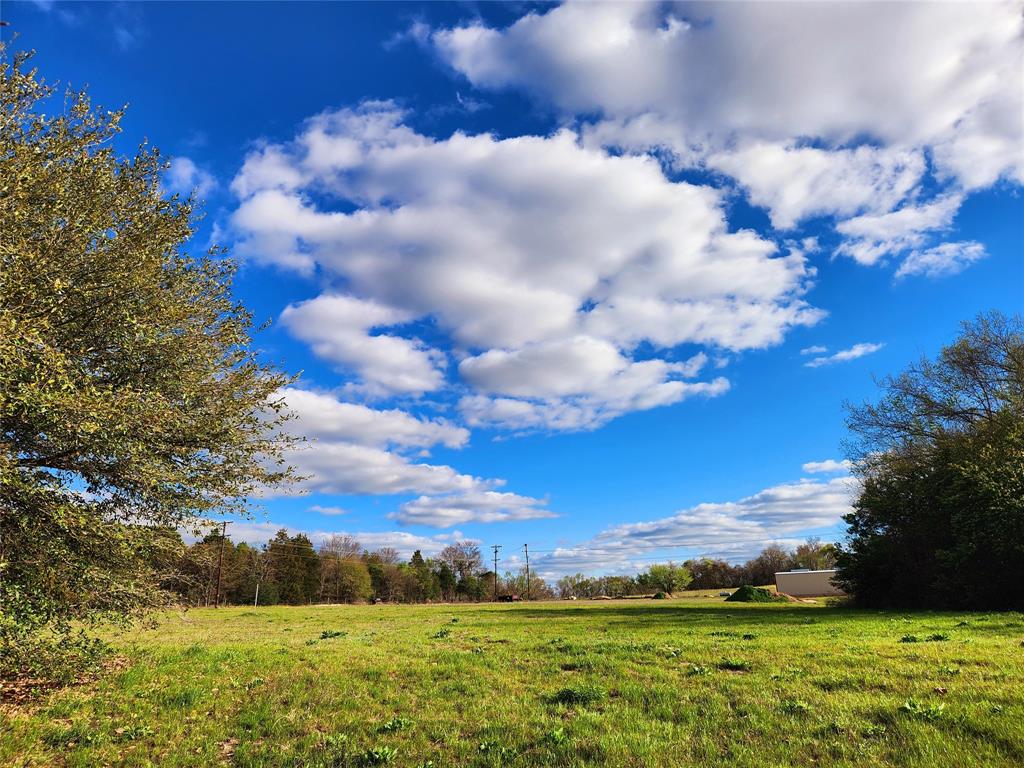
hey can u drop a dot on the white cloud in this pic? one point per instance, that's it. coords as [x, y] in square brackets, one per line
[331, 511]
[816, 349]
[942, 260]
[183, 177]
[845, 355]
[816, 109]
[338, 328]
[871, 237]
[353, 449]
[828, 466]
[795, 183]
[638, 390]
[518, 250]
[322, 416]
[476, 507]
[735, 530]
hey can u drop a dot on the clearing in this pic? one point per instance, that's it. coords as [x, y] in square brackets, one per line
[625, 683]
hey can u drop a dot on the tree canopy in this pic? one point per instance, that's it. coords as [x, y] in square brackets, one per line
[130, 397]
[940, 518]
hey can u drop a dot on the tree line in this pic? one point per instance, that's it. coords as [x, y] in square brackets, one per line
[290, 570]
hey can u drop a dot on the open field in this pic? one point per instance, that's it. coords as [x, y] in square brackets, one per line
[623, 683]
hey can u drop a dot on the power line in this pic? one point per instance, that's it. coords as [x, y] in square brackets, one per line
[496, 547]
[526, 549]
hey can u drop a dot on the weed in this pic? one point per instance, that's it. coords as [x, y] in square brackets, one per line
[377, 756]
[697, 670]
[441, 633]
[922, 711]
[327, 634]
[910, 639]
[937, 637]
[795, 707]
[396, 724]
[557, 736]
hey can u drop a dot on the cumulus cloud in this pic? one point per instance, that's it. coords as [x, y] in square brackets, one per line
[845, 355]
[353, 449]
[473, 507]
[816, 109]
[828, 466]
[338, 328]
[524, 252]
[942, 260]
[184, 177]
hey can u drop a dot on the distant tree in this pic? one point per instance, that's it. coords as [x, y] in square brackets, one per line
[353, 581]
[130, 397]
[667, 577]
[463, 558]
[939, 521]
[446, 580]
[761, 570]
[713, 574]
[814, 555]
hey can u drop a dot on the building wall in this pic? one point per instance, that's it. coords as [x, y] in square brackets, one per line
[807, 583]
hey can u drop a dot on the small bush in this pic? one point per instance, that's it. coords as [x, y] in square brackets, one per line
[910, 639]
[441, 633]
[327, 634]
[697, 669]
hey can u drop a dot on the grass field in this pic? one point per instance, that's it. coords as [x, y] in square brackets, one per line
[624, 683]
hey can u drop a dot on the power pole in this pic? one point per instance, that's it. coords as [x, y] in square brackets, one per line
[220, 563]
[496, 547]
[526, 549]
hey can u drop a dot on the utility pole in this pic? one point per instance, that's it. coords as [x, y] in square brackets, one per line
[526, 549]
[220, 563]
[496, 547]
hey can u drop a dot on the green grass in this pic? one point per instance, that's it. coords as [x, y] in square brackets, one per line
[690, 681]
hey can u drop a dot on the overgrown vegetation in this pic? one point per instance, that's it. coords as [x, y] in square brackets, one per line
[622, 683]
[940, 519]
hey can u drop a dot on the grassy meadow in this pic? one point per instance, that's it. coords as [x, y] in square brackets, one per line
[689, 681]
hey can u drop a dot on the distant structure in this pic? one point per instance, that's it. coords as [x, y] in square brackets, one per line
[807, 583]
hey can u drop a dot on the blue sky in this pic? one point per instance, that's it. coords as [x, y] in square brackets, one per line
[597, 278]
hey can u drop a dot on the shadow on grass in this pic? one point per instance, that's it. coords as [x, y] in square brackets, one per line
[790, 615]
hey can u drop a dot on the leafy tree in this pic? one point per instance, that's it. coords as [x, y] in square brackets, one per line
[667, 577]
[761, 570]
[939, 521]
[129, 395]
[353, 581]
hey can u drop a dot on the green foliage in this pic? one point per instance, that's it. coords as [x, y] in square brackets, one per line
[130, 399]
[940, 518]
[667, 577]
[749, 594]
